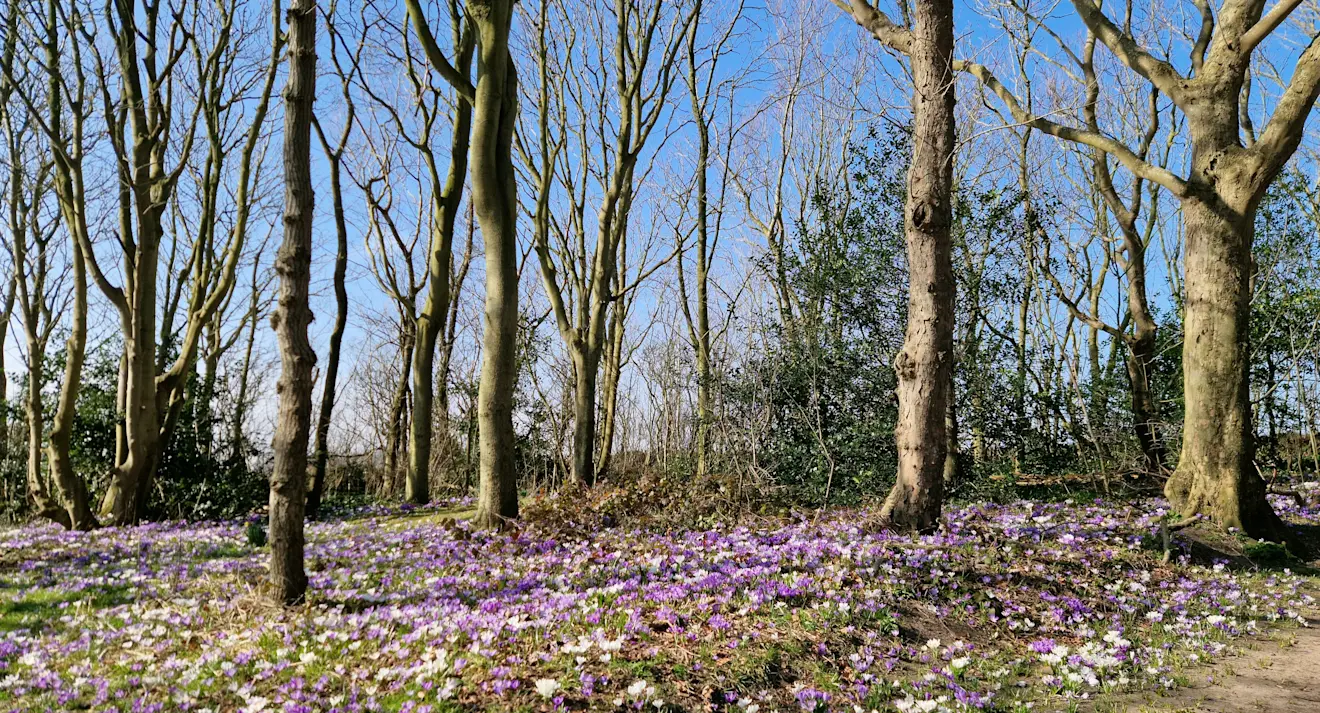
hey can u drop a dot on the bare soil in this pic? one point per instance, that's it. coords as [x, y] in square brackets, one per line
[1275, 673]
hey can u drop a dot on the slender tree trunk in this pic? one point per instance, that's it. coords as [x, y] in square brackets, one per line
[1141, 356]
[236, 435]
[5, 315]
[288, 493]
[1020, 416]
[1271, 407]
[431, 321]
[1216, 474]
[953, 465]
[121, 399]
[322, 457]
[702, 326]
[610, 395]
[925, 365]
[394, 436]
[73, 490]
[43, 504]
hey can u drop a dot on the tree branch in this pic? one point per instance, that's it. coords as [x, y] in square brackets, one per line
[461, 84]
[1284, 131]
[1160, 73]
[1267, 24]
[899, 39]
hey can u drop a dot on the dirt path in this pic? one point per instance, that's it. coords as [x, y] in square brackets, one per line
[1277, 673]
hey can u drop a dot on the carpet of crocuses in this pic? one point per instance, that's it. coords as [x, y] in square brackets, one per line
[1010, 607]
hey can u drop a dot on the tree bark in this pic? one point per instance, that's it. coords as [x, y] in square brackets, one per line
[1216, 474]
[72, 488]
[494, 101]
[494, 197]
[1145, 412]
[293, 264]
[610, 392]
[585, 371]
[237, 437]
[399, 411]
[43, 505]
[925, 364]
[5, 315]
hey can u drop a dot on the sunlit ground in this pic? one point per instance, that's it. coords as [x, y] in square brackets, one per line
[1028, 604]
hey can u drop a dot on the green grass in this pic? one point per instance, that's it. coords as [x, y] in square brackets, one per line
[44, 606]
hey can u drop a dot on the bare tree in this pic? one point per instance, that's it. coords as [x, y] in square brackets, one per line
[288, 492]
[38, 285]
[1231, 167]
[925, 364]
[446, 195]
[334, 154]
[494, 100]
[640, 42]
[704, 88]
[140, 100]
[38, 282]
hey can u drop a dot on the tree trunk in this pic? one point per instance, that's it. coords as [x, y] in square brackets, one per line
[1020, 417]
[322, 457]
[585, 370]
[73, 490]
[702, 326]
[394, 443]
[431, 321]
[131, 478]
[494, 196]
[417, 481]
[43, 505]
[236, 435]
[1216, 475]
[925, 364]
[5, 317]
[1141, 356]
[610, 391]
[953, 465]
[288, 493]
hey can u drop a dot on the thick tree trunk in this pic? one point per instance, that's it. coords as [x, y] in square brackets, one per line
[288, 492]
[585, 369]
[494, 197]
[1216, 475]
[131, 478]
[322, 450]
[925, 365]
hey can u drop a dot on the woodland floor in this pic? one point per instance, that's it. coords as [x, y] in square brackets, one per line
[1027, 606]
